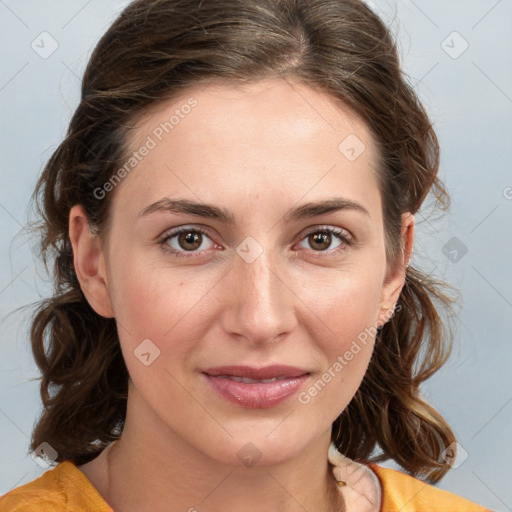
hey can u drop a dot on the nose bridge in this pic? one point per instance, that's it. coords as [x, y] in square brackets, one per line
[260, 307]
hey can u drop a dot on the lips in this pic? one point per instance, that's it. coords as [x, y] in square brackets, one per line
[257, 388]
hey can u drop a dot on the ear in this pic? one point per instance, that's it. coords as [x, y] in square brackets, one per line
[395, 279]
[89, 262]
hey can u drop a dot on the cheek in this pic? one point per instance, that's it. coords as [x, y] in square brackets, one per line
[347, 303]
[348, 355]
[347, 308]
[159, 304]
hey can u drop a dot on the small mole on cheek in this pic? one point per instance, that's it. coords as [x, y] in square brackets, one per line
[181, 284]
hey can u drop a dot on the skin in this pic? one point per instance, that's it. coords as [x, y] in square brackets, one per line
[257, 151]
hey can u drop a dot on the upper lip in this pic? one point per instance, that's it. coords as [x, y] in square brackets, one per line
[267, 372]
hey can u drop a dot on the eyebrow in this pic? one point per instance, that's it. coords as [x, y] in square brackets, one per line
[223, 215]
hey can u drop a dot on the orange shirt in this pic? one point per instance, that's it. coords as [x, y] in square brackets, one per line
[66, 489]
[403, 493]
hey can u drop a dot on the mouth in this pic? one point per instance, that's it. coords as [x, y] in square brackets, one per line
[268, 373]
[256, 388]
[250, 381]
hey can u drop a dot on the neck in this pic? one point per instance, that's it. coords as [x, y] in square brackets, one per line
[149, 468]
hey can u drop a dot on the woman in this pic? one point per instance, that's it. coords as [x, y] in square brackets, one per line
[236, 324]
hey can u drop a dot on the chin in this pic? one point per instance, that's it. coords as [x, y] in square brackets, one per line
[258, 450]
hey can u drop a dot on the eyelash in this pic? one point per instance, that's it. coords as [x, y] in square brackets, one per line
[341, 234]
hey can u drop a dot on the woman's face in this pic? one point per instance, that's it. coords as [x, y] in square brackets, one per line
[257, 278]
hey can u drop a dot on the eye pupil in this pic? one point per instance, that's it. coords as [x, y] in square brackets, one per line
[190, 238]
[324, 239]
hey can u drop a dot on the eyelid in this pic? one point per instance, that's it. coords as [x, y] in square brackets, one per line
[342, 232]
[190, 227]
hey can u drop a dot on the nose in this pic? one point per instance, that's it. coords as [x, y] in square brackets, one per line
[259, 303]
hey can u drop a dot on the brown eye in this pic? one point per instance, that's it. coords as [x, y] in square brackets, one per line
[190, 241]
[185, 240]
[320, 241]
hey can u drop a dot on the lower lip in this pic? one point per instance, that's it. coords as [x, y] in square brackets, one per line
[257, 395]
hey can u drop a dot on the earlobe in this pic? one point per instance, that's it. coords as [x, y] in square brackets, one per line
[89, 262]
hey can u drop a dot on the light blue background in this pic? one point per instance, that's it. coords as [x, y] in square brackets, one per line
[470, 100]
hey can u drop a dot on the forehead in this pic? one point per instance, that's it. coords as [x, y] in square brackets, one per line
[256, 113]
[273, 137]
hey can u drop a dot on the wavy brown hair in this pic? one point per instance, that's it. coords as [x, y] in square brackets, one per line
[153, 52]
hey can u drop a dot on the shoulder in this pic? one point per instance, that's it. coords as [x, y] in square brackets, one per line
[61, 489]
[404, 493]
